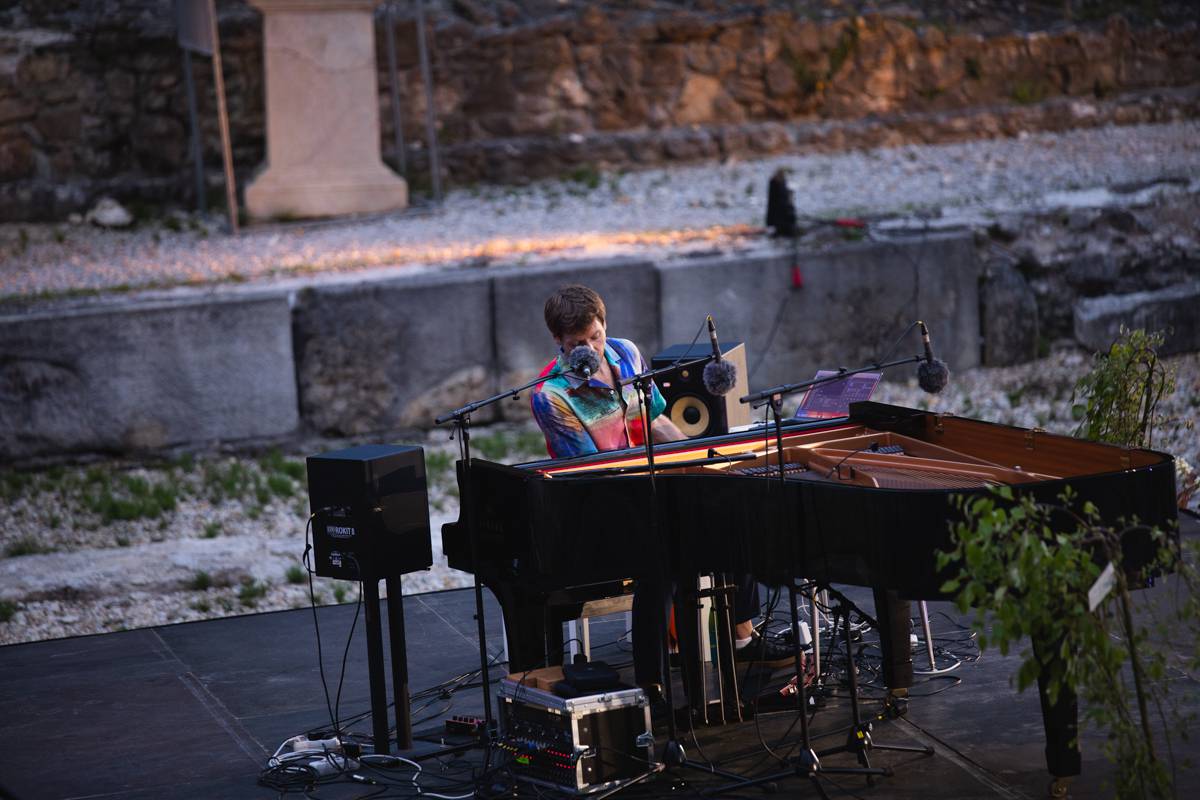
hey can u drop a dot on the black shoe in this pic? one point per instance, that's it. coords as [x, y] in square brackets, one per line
[764, 652]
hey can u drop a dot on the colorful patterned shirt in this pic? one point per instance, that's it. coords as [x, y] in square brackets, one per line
[581, 418]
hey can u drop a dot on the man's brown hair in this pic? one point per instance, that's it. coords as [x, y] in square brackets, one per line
[571, 309]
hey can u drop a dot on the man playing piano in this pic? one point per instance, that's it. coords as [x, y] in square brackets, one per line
[581, 417]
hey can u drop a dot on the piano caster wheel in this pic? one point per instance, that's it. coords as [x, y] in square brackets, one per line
[1059, 787]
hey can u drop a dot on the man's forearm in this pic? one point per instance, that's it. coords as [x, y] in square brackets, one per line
[663, 430]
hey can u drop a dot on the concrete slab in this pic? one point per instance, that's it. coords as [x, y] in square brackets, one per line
[629, 288]
[1098, 320]
[131, 374]
[852, 304]
[392, 353]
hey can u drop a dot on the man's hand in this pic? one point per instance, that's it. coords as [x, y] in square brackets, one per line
[663, 430]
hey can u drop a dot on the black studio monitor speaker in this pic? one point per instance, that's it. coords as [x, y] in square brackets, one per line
[690, 406]
[371, 507]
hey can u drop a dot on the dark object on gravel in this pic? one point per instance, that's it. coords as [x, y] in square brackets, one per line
[781, 213]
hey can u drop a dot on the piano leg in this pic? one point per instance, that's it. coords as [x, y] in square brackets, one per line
[651, 609]
[1060, 720]
[893, 615]
[529, 637]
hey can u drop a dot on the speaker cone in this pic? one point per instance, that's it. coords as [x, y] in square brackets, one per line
[690, 415]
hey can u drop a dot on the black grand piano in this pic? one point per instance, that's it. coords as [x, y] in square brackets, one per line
[866, 501]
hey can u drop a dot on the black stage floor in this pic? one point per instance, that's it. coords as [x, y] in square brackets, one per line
[194, 710]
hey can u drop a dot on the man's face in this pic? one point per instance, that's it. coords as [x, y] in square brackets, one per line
[592, 336]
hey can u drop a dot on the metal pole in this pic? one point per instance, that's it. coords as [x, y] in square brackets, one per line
[399, 650]
[376, 680]
[223, 119]
[435, 171]
[928, 636]
[194, 124]
[393, 83]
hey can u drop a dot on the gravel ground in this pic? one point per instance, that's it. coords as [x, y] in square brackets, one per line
[654, 212]
[231, 538]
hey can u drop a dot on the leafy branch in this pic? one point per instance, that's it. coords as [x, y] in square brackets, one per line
[1026, 568]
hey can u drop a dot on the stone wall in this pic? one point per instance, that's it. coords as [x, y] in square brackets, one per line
[354, 355]
[91, 97]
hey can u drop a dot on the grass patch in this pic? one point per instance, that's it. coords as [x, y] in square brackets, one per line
[439, 461]
[281, 485]
[211, 530]
[14, 484]
[251, 591]
[294, 574]
[25, 546]
[8, 610]
[133, 498]
[201, 582]
[585, 175]
[274, 462]
[1026, 93]
[339, 593]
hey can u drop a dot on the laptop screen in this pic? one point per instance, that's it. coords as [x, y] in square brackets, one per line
[833, 399]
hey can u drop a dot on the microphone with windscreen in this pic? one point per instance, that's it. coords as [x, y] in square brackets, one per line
[720, 376]
[932, 373]
[583, 361]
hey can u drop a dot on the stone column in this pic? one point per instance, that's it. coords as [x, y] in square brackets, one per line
[323, 156]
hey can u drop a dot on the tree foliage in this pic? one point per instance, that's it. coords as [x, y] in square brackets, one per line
[1121, 393]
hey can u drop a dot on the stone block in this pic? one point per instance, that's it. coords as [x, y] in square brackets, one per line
[629, 289]
[1008, 315]
[135, 374]
[852, 305]
[381, 354]
[1098, 320]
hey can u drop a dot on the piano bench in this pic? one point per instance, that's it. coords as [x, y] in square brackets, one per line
[575, 605]
[578, 633]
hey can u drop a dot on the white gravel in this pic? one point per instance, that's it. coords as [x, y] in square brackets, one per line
[657, 211]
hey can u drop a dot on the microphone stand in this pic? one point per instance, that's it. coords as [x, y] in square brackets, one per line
[462, 422]
[673, 752]
[762, 398]
[808, 763]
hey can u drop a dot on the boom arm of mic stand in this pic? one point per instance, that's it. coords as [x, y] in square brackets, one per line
[471, 408]
[653, 373]
[757, 399]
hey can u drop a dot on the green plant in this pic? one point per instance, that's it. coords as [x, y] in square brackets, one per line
[251, 591]
[1122, 391]
[339, 593]
[493, 446]
[25, 546]
[1028, 92]
[1027, 568]
[212, 530]
[585, 175]
[281, 484]
[201, 581]
[294, 574]
[8, 610]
